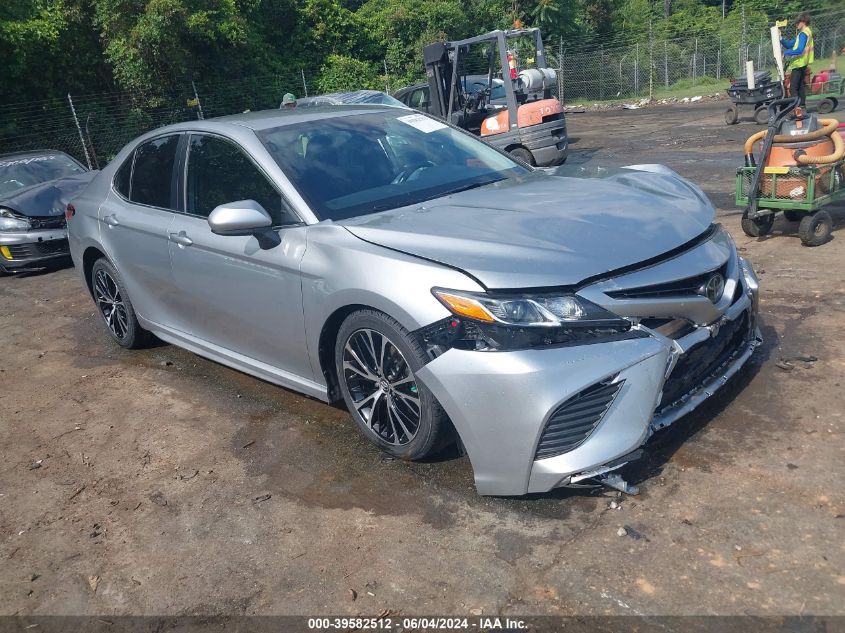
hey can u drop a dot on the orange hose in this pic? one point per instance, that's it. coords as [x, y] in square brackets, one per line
[828, 128]
[838, 153]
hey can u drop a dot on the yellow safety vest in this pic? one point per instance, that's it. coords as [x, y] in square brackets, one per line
[807, 57]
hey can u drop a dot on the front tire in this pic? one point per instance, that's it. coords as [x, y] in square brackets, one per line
[520, 153]
[759, 226]
[376, 361]
[731, 115]
[114, 306]
[826, 105]
[815, 229]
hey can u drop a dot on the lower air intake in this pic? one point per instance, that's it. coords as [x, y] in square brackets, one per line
[573, 421]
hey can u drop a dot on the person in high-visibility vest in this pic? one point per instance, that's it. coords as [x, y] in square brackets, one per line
[798, 53]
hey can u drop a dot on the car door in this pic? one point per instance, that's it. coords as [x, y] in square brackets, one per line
[241, 295]
[134, 222]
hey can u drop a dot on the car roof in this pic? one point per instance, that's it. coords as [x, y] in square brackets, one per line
[267, 119]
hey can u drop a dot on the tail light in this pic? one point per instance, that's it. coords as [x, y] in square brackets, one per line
[70, 211]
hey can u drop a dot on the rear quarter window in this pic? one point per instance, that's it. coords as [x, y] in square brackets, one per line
[122, 176]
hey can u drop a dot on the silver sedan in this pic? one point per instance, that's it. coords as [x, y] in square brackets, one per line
[550, 321]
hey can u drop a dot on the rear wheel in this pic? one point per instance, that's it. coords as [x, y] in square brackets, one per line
[815, 229]
[376, 360]
[731, 115]
[759, 226]
[761, 115]
[523, 154]
[826, 105]
[115, 307]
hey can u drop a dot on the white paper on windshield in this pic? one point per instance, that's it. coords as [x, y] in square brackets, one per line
[422, 123]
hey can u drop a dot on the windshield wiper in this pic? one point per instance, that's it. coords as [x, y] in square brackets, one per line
[473, 185]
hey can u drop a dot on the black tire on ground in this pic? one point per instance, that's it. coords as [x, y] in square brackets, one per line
[826, 105]
[520, 153]
[758, 226]
[367, 330]
[815, 229]
[731, 115]
[794, 216]
[761, 115]
[115, 307]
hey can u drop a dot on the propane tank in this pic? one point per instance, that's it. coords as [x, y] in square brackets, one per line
[536, 79]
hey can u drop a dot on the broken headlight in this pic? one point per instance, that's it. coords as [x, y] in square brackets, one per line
[506, 322]
[10, 221]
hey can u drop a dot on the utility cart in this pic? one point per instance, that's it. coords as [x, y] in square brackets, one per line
[755, 99]
[826, 94]
[800, 192]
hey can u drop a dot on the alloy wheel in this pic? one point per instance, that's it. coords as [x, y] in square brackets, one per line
[382, 386]
[111, 304]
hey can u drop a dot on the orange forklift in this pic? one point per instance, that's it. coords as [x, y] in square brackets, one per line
[527, 120]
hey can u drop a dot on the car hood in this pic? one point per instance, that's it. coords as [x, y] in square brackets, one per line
[553, 228]
[46, 198]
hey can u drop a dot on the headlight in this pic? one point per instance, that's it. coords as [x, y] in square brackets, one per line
[535, 310]
[12, 222]
[499, 322]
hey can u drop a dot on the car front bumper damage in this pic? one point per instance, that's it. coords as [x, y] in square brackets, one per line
[501, 403]
[33, 250]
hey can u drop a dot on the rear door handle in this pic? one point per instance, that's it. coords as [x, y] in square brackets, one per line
[111, 220]
[181, 238]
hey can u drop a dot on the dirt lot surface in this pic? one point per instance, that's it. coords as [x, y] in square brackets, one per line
[132, 482]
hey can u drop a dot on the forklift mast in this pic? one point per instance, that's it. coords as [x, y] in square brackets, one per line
[444, 68]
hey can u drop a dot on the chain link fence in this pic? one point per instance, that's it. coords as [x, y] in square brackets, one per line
[93, 128]
[661, 68]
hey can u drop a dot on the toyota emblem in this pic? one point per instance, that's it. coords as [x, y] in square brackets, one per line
[713, 288]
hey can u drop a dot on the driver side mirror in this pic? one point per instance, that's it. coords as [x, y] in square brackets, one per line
[242, 217]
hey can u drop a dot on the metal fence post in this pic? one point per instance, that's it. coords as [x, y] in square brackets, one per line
[560, 88]
[695, 62]
[601, 74]
[79, 129]
[650, 63]
[637, 70]
[719, 60]
[386, 81]
[665, 63]
[200, 113]
[304, 85]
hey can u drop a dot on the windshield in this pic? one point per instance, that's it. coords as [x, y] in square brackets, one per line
[17, 172]
[348, 166]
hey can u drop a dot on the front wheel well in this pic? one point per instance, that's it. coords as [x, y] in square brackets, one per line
[91, 255]
[325, 349]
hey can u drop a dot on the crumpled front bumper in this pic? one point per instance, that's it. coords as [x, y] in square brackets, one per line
[32, 250]
[500, 402]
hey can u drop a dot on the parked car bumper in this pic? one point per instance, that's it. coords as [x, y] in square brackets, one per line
[32, 250]
[501, 403]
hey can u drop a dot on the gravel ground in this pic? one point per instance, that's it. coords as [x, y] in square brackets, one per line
[138, 482]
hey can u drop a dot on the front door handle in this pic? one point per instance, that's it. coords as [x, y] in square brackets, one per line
[111, 220]
[181, 238]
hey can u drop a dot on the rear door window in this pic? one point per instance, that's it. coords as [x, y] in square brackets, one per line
[152, 177]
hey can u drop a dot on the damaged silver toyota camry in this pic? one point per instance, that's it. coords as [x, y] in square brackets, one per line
[550, 323]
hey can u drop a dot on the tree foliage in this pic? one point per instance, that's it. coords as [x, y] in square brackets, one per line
[151, 48]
